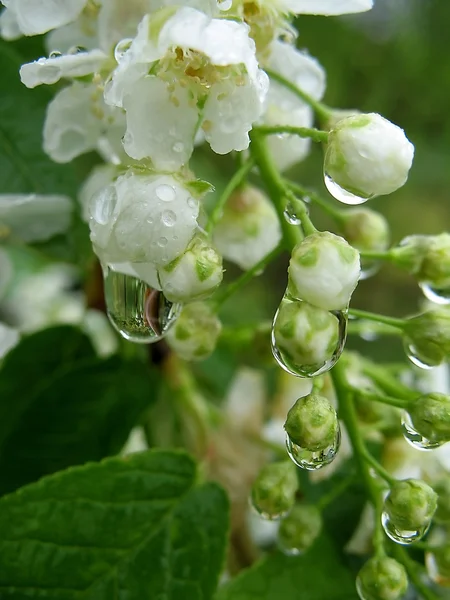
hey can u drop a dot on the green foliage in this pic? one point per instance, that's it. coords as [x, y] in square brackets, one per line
[61, 405]
[133, 528]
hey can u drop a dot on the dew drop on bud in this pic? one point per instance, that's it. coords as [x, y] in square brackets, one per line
[121, 48]
[224, 4]
[342, 194]
[138, 312]
[438, 296]
[369, 269]
[312, 461]
[165, 192]
[415, 357]
[413, 437]
[401, 536]
[291, 217]
[55, 54]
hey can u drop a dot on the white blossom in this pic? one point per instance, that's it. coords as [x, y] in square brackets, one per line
[9, 27]
[99, 178]
[9, 337]
[35, 17]
[368, 156]
[186, 71]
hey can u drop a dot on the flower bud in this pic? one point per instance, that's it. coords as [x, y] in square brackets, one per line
[365, 229]
[306, 337]
[382, 579]
[299, 529]
[410, 505]
[324, 271]
[312, 423]
[195, 333]
[430, 416]
[248, 229]
[193, 275]
[427, 336]
[442, 488]
[367, 156]
[427, 257]
[273, 493]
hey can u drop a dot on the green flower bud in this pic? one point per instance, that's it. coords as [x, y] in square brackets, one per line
[427, 257]
[324, 271]
[430, 416]
[365, 229]
[438, 565]
[382, 579]
[427, 336]
[306, 337]
[273, 493]
[194, 335]
[193, 275]
[410, 505]
[299, 529]
[312, 423]
[442, 488]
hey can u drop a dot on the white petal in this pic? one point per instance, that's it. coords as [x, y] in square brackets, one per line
[9, 338]
[81, 33]
[35, 218]
[50, 70]
[99, 178]
[288, 150]
[326, 7]
[118, 20]
[9, 27]
[40, 16]
[160, 125]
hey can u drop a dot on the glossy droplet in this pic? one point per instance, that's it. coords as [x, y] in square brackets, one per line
[312, 461]
[415, 357]
[299, 370]
[169, 218]
[55, 54]
[438, 296]
[103, 204]
[341, 194]
[224, 4]
[264, 515]
[413, 437]
[399, 536]
[291, 217]
[138, 312]
[178, 147]
[165, 192]
[360, 589]
[369, 268]
[121, 48]
[77, 50]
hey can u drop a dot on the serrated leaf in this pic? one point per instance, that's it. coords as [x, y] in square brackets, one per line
[61, 405]
[317, 575]
[134, 528]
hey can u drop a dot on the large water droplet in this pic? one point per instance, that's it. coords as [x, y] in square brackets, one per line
[165, 192]
[55, 54]
[401, 536]
[312, 461]
[310, 370]
[169, 218]
[290, 215]
[341, 194]
[102, 205]
[413, 437]
[224, 4]
[415, 357]
[121, 48]
[138, 312]
[438, 296]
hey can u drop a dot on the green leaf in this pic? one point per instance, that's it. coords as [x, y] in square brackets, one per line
[60, 405]
[317, 575]
[134, 528]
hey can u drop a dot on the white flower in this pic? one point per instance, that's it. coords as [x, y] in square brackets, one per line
[193, 275]
[143, 219]
[325, 7]
[34, 218]
[368, 156]
[9, 27]
[324, 271]
[182, 72]
[286, 108]
[9, 338]
[39, 16]
[78, 121]
[249, 228]
[50, 70]
[194, 335]
[98, 179]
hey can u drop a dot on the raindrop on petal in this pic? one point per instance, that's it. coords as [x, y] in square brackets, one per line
[342, 194]
[121, 48]
[165, 192]
[312, 461]
[224, 4]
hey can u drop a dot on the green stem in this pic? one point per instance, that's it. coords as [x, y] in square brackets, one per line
[379, 470]
[369, 316]
[360, 327]
[316, 135]
[373, 254]
[390, 400]
[413, 569]
[335, 492]
[275, 187]
[321, 110]
[387, 383]
[335, 213]
[233, 287]
[238, 178]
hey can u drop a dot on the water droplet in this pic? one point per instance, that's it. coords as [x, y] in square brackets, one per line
[401, 536]
[290, 215]
[310, 370]
[178, 147]
[165, 192]
[341, 194]
[438, 296]
[192, 203]
[77, 50]
[138, 312]
[162, 242]
[55, 54]
[369, 269]
[121, 48]
[413, 437]
[264, 515]
[103, 204]
[415, 356]
[224, 4]
[312, 461]
[169, 218]
[127, 139]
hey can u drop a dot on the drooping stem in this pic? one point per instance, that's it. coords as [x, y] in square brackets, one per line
[388, 383]
[389, 400]
[369, 316]
[316, 135]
